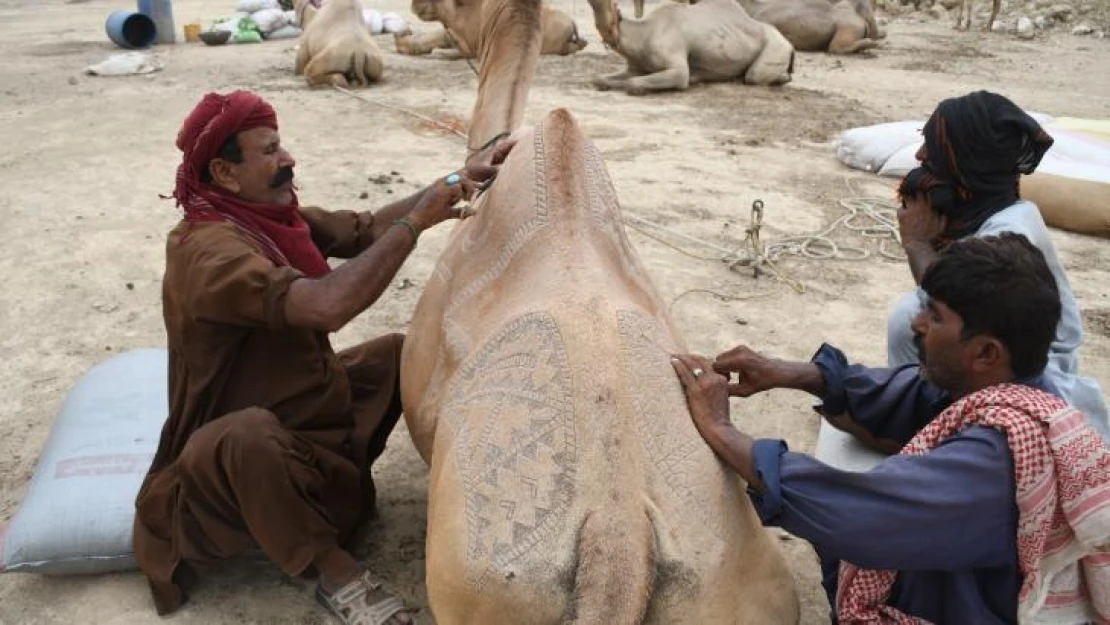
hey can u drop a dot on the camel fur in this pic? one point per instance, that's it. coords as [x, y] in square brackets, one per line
[462, 26]
[335, 47]
[568, 484]
[683, 44]
[841, 27]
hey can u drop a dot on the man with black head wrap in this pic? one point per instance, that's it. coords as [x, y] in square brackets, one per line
[976, 148]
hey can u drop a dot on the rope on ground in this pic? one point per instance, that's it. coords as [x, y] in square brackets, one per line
[406, 111]
[717, 294]
[869, 217]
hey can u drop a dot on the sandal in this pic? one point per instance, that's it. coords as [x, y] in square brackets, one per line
[349, 603]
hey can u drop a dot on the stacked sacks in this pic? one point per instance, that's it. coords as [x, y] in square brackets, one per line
[1071, 187]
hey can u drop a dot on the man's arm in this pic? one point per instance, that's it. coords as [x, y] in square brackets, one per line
[346, 233]
[950, 509]
[882, 407]
[329, 303]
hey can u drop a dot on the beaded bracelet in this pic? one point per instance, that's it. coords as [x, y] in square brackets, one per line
[413, 230]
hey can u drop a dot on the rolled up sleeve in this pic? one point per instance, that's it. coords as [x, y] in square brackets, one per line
[339, 234]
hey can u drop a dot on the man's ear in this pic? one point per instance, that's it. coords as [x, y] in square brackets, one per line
[223, 174]
[989, 353]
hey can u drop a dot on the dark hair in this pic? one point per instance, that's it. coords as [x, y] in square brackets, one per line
[230, 151]
[1000, 286]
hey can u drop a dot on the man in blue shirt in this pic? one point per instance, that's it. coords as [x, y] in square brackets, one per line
[945, 518]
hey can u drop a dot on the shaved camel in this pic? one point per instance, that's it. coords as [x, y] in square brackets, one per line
[682, 44]
[841, 27]
[568, 484]
[335, 47]
[462, 29]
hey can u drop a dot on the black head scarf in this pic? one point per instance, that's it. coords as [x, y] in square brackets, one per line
[975, 148]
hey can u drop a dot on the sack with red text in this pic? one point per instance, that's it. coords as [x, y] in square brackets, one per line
[77, 514]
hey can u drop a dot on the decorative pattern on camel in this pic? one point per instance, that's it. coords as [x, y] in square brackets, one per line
[335, 47]
[678, 45]
[840, 27]
[568, 483]
[462, 26]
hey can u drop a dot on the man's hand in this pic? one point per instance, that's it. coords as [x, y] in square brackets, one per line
[918, 223]
[755, 372]
[437, 203]
[706, 393]
[484, 165]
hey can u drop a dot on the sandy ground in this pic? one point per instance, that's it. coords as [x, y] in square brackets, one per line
[84, 159]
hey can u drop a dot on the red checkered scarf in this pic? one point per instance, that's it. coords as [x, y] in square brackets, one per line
[1062, 474]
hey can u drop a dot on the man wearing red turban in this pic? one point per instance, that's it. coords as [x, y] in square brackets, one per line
[271, 434]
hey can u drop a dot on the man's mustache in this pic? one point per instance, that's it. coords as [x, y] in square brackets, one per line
[283, 175]
[919, 343]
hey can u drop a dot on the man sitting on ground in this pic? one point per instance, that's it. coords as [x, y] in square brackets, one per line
[271, 434]
[995, 511]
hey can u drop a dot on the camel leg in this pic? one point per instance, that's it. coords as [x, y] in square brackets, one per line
[995, 5]
[302, 59]
[613, 81]
[675, 78]
[848, 42]
[419, 45]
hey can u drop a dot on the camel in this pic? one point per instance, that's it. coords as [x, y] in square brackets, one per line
[461, 30]
[963, 18]
[567, 481]
[683, 44]
[335, 47]
[840, 27]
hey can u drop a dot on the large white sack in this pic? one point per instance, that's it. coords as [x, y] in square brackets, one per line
[901, 162]
[373, 21]
[269, 20]
[80, 505]
[251, 6]
[1072, 155]
[393, 23]
[869, 147]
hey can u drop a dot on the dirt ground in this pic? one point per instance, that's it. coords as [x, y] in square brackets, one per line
[84, 159]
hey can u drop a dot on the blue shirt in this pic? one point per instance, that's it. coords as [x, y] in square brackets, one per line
[945, 520]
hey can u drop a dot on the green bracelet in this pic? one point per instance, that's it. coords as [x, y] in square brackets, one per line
[413, 230]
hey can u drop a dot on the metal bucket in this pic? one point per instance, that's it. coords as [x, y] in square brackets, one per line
[131, 30]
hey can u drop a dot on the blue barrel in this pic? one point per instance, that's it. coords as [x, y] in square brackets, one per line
[131, 30]
[161, 11]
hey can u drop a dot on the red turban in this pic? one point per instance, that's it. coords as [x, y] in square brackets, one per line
[279, 230]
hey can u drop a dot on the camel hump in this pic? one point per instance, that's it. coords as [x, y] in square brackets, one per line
[615, 572]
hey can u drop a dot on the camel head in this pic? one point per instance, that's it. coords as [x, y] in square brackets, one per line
[607, 20]
[306, 11]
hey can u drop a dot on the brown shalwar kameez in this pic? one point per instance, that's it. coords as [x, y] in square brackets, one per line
[270, 433]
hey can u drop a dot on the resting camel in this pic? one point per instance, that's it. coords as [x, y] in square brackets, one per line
[568, 484]
[335, 47]
[840, 27]
[683, 44]
[461, 29]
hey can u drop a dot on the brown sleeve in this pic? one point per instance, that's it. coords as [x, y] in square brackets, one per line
[339, 234]
[221, 278]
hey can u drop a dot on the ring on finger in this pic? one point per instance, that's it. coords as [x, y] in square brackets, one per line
[698, 372]
[452, 180]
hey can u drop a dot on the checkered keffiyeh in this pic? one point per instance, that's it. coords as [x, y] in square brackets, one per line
[1062, 474]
